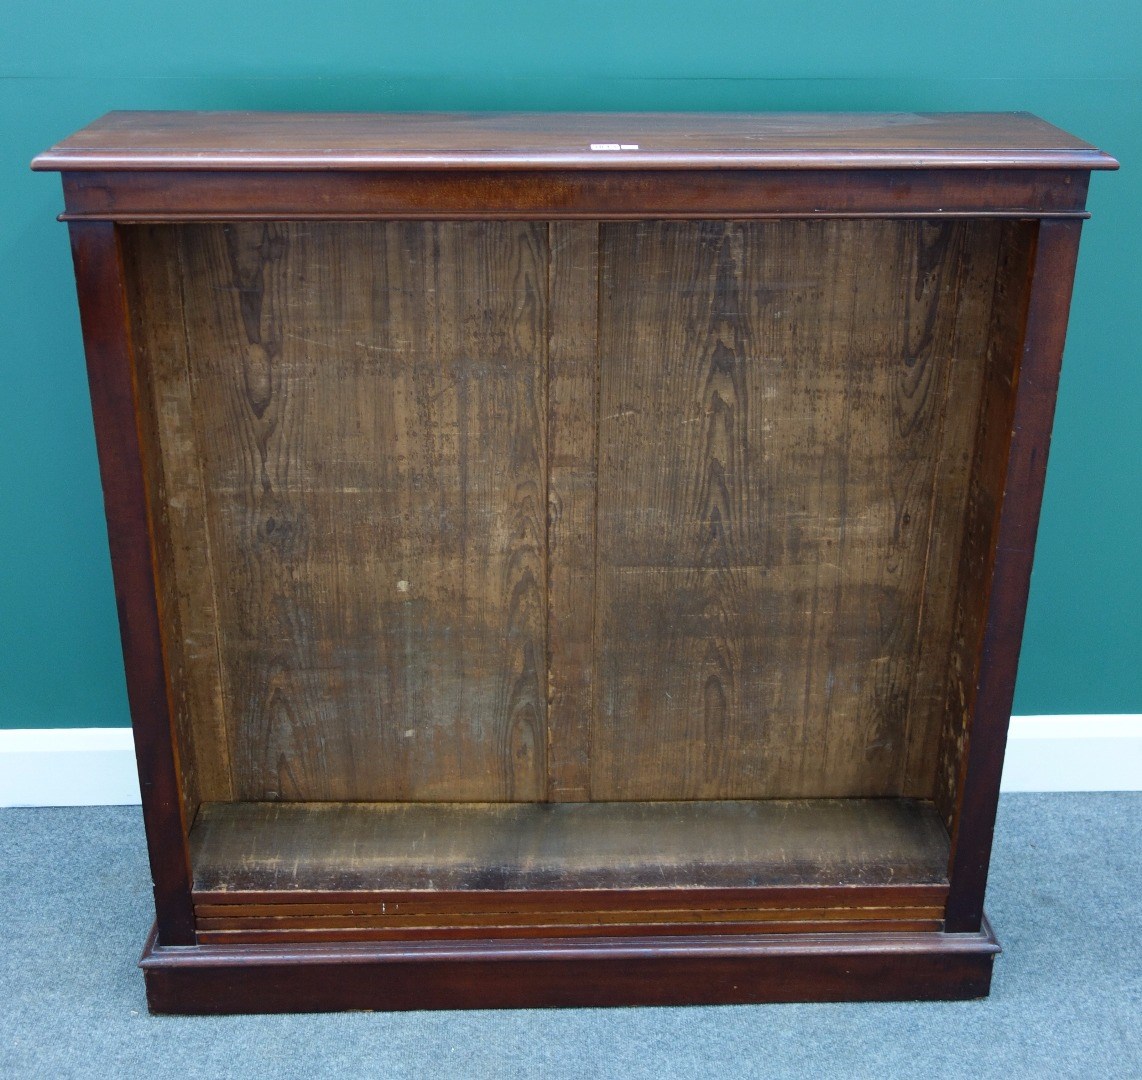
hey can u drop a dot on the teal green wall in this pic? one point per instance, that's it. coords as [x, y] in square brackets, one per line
[64, 63]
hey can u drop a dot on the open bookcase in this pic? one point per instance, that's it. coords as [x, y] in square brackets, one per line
[571, 559]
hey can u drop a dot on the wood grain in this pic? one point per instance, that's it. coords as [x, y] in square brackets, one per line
[315, 847]
[369, 407]
[537, 195]
[101, 286]
[572, 493]
[985, 496]
[770, 411]
[551, 537]
[277, 936]
[958, 423]
[1044, 267]
[667, 545]
[813, 901]
[626, 912]
[508, 141]
[173, 466]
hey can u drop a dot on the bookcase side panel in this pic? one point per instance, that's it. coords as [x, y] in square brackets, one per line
[985, 496]
[1015, 438]
[105, 318]
[172, 466]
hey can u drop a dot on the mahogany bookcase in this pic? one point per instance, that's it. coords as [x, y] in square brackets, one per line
[570, 559]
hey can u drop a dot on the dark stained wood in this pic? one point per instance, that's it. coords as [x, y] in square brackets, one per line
[318, 847]
[573, 366]
[814, 586]
[533, 195]
[505, 141]
[693, 924]
[368, 410]
[916, 900]
[497, 923]
[644, 970]
[110, 370]
[766, 497]
[985, 294]
[990, 449]
[172, 463]
[553, 500]
[558, 913]
[1005, 588]
[578, 906]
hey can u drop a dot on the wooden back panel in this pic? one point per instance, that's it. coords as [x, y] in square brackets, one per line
[783, 407]
[731, 575]
[355, 414]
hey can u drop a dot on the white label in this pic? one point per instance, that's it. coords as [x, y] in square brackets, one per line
[614, 146]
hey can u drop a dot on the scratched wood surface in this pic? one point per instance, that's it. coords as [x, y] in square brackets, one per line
[278, 847]
[368, 410]
[568, 511]
[772, 398]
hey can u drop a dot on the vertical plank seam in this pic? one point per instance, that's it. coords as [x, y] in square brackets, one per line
[548, 457]
[852, 377]
[208, 543]
[596, 451]
[905, 757]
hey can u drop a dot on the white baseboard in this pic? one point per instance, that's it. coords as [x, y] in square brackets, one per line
[1087, 752]
[68, 767]
[96, 766]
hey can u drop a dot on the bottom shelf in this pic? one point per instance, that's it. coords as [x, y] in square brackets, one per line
[285, 847]
[311, 872]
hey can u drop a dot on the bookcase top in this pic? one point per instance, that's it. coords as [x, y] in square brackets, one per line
[223, 141]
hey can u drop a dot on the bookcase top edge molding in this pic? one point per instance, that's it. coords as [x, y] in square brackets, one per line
[594, 166]
[205, 141]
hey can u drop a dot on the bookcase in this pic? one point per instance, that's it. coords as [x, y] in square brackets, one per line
[570, 559]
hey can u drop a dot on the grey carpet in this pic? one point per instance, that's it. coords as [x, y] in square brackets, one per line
[1065, 897]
